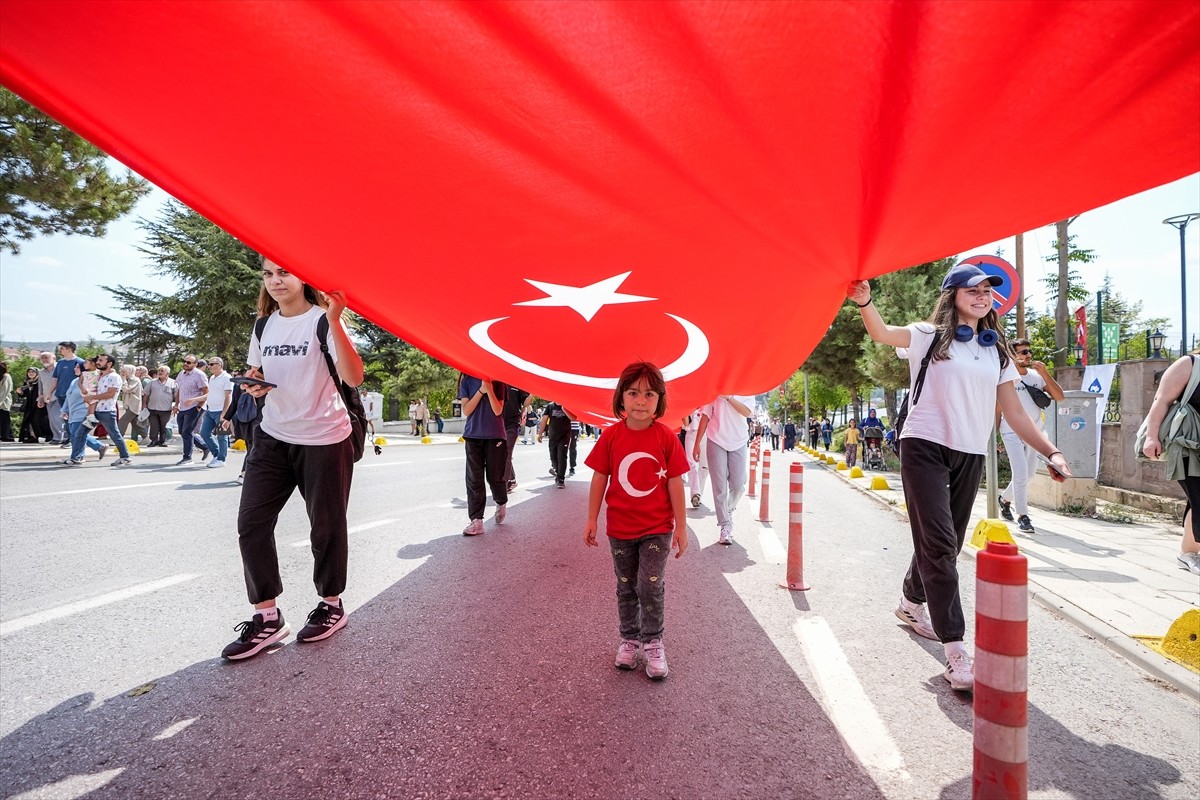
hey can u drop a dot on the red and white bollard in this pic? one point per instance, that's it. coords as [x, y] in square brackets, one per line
[764, 513]
[753, 469]
[1001, 672]
[795, 557]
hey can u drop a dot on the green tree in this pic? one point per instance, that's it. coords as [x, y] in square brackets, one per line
[214, 308]
[421, 375]
[1066, 254]
[52, 181]
[835, 359]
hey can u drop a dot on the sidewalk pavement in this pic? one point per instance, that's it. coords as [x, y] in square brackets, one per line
[1116, 581]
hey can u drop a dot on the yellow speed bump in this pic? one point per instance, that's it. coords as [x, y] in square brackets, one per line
[1182, 642]
[990, 530]
[380, 441]
[879, 484]
[841, 465]
[856, 472]
[132, 447]
[239, 445]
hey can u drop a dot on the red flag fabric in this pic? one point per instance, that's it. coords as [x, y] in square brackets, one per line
[542, 192]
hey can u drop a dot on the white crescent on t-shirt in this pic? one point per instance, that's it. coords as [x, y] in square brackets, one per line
[305, 406]
[957, 407]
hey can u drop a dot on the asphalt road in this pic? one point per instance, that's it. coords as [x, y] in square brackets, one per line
[482, 667]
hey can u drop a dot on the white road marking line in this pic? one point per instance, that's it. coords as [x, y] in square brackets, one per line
[98, 489]
[383, 464]
[773, 552]
[850, 710]
[71, 787]
[455, 458]
[20, 623]
[171, 730]
[366, 526]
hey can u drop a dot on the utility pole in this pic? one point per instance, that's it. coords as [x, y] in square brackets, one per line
[1062, 328]
[1020, 247]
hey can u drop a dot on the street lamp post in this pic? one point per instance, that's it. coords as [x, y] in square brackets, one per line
[1181, 222]
[1156, 341]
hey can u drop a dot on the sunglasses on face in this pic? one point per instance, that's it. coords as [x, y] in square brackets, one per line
[1024, 352]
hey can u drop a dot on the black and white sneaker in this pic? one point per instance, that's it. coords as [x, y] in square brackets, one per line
[1005, 509]
[255, 636]
[324, 621]
[1024, 524]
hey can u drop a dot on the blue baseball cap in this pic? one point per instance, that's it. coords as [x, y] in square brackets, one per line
[968, 275]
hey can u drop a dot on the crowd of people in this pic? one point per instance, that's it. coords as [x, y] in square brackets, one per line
[295, 406]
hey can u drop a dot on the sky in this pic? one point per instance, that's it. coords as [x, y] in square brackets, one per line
[50, 291]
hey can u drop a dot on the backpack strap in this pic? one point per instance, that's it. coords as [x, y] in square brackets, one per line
[322, 335]
[920, 382]
[260, 325]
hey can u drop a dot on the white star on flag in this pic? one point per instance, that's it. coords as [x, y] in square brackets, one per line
[662, 473]
[584, 300]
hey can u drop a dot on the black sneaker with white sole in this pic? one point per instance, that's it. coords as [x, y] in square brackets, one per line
[323, 621]
[256, 634]
[1005, 509]
[1024, 524]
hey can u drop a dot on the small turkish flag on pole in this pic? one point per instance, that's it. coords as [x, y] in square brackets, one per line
[1081, 332]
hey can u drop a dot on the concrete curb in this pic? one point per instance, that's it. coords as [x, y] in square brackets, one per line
[1179, 677]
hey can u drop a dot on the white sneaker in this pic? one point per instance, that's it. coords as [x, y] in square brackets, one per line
[917, 619]
[960, 672]
[627, 653]
[656, 659]
[1190, 562]
[216, 463]
[501, 514]
[726, 536]
[474, 528]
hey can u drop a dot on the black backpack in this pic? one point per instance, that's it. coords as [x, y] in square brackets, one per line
[915, 394]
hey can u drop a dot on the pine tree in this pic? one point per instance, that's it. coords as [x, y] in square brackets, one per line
[52, 181]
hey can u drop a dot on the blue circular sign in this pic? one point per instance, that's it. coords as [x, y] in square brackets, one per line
[1004, 296]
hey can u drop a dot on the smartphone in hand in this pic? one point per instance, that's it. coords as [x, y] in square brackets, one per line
[253, 382]
[1052, 467]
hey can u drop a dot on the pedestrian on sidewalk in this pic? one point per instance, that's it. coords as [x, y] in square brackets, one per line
[516, 403]
[959, 370]
[646, 515]
[556, 423]
[723, 423]
[74, 411]
[304, 441]
[698, 472]
[1035, 383]
[1182, 451]
[486, 447]
[852, 439]
[104, 402]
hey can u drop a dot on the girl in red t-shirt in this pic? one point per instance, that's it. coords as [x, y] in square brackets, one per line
[646, 516]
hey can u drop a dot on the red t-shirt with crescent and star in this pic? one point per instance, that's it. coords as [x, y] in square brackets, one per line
[638, 465]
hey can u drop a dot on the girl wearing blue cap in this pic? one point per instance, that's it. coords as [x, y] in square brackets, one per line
[959, 370]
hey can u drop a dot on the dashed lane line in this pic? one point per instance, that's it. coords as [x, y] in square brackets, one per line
[86, 491]
[50, 614]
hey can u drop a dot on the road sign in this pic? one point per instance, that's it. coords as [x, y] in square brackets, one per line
[1004, 296]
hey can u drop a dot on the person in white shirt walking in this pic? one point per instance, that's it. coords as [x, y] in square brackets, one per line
[216, 403]
[105, 398]
[1036, 384]
[723, 421]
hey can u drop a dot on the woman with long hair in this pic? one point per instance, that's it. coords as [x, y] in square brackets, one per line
[946, 436]
[6, 400]
[303, 442]
[35, 422]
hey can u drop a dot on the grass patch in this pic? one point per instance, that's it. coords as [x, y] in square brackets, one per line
[1115, 512]
[1072, 510]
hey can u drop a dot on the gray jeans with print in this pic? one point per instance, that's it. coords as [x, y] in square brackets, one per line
[640, 565]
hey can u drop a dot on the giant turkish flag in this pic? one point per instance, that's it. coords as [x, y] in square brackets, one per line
[542, 192]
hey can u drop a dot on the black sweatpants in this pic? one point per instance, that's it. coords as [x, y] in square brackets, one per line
[323, 474]
[940, 485]
[486, 458]
[559, 445]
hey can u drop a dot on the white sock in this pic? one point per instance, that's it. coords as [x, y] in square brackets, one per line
[268, 614]
[955, 647]
[336, 604]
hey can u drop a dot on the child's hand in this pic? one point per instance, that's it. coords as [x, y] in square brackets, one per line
[679, 541]
[589, 535]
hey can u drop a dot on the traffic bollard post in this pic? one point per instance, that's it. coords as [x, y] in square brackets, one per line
[795, 555]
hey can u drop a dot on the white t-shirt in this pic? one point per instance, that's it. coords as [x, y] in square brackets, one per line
[305, 406]
[726, 427]
[218, 385]
[108, 381]
[1033, 378]
[957, 407]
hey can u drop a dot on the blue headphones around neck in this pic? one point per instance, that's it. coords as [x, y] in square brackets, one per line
[987, 337]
